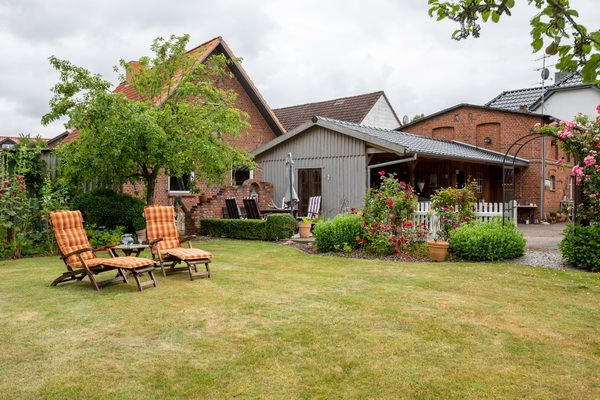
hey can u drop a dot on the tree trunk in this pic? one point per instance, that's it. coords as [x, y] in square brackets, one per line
[150, 187]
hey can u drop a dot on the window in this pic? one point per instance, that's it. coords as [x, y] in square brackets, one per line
[182, 184]
[479, 180]
[239, 175]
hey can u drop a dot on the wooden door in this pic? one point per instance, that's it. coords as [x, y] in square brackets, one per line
[309, 185]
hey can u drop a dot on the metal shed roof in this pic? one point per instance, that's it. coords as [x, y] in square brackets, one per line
[394, 140]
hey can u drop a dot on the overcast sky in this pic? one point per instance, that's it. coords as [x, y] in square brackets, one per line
[295, 52]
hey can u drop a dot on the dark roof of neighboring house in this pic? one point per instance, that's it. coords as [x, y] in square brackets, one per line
[403, 142]
[351, 109]
[203, 51]
[530, 97]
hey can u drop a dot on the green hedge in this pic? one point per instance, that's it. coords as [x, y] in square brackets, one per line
[487, 241]
[280, 226]
[338, 233]
[581, 246]
[109, 209]
[275, 227]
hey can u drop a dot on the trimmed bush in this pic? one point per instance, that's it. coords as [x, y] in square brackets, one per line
[248, 229]
[338, 233]
[280, 226]
[275, 227]
[106, 208]
[487, 241]
[581, 246]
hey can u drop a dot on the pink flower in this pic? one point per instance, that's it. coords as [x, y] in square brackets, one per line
[577, 170]
[589, 160]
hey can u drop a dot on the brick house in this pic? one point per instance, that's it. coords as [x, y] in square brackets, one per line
[264, 128]
[497, 129]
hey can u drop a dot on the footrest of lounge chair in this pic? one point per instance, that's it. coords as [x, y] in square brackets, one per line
[141, 270]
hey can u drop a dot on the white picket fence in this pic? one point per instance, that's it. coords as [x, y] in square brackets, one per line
[483, 211]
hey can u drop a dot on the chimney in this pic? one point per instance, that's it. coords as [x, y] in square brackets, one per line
[135, 66]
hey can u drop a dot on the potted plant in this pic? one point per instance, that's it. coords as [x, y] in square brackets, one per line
[452, 207]
[203, 198]
[304, 227]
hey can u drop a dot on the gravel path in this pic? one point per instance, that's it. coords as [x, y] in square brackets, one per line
[545, 259]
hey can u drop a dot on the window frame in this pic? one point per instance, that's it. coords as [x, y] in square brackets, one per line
[191, 175]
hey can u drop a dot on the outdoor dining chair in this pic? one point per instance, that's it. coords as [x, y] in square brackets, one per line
[314, 207]
[81, 260]
[166, 245]
[252, 210]
[233, 210]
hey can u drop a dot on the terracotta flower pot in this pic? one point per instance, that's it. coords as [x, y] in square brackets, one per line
[304, 229]
[437, 250]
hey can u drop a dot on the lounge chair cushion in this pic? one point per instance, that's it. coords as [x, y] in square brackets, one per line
[117, 262]
[160, 224]
[70, 235]
[187, 254]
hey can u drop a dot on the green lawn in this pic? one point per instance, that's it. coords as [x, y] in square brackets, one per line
[273, 322]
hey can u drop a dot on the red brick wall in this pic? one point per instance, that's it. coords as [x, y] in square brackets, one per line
[473, 125]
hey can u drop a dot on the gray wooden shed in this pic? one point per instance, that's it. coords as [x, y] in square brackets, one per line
[338, 160]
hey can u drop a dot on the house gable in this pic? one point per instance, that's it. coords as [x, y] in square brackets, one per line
[264, 123]
[372, 107]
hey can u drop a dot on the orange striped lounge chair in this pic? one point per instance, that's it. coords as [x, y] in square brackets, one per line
[81, 259]
[166, 245]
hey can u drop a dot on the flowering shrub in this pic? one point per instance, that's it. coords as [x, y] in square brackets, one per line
[581, 138]
[387, 216]
[452, 207]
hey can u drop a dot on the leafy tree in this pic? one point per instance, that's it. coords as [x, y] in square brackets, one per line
[554, 23]
[177, 121]
[417, 117]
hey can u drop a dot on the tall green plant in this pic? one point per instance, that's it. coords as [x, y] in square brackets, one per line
[16, 213]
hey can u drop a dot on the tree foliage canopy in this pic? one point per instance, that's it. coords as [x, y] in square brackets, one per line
[177, 122]
[555, 25]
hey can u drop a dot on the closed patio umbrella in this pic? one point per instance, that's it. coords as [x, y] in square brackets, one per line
[290, 197]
